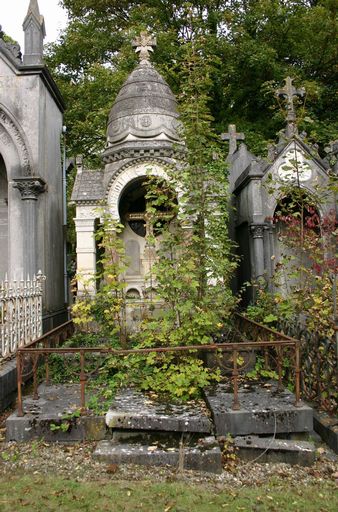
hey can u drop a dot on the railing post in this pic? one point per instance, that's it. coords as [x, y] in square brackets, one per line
[279, 351]
[297, 374]
[35, 358]
[19, 382]
[82, 380]
[235, 403]
[266, 359]
[46, 345]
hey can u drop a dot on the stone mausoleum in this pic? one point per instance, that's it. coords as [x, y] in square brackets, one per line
[31, 181]
[258, 186]
[142, 138]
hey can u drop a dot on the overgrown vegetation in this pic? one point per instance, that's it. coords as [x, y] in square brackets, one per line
[192, 262]
[301, 298]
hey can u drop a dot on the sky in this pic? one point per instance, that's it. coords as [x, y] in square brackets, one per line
[12, 16]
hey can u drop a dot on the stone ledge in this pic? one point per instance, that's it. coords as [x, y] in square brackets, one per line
[262, 411]
[268, 449]
[134, 410]
[199, 458]
[327, 427]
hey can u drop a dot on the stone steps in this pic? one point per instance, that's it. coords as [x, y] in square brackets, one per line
[205, 455]
[149, 432]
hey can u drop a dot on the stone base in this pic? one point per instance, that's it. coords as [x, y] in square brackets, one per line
[263, 410]
[51, 417]
[267, 449]
[205, 456]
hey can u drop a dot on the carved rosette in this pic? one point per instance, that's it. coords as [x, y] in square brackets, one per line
[30, 188]
[257, 230]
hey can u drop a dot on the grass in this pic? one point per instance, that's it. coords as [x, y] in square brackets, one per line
[35, 493]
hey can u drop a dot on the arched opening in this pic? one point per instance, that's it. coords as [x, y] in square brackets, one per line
[298, 241]
[3, 219]
[144, 215]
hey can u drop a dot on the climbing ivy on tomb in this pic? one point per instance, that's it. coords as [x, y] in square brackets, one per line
[193, 264]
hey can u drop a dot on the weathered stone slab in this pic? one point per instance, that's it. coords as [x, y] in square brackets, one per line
[267, 449]
[51, 417]
[263, 410]
[205, 456]
[134, 410]
[327, 427]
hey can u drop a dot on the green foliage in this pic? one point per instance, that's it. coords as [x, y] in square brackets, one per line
[105, 311]
[251, 47]
[260, 371]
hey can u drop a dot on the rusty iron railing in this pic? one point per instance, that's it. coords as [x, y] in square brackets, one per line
[44, 346]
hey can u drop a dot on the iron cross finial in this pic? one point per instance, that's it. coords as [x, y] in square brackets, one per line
[288, 92]
[144, 44]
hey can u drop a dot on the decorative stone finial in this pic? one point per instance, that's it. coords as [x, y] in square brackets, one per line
[79, 163]
[288, 92]
[144, 44]
[35, 32]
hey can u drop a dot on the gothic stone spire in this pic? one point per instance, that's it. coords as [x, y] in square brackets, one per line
[34, 29]
[289, 92]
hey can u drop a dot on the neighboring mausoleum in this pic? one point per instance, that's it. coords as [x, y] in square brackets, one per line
[257, 186]
[31, 180]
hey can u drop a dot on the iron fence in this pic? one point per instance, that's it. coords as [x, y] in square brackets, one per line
[274, 345]
[20, 313]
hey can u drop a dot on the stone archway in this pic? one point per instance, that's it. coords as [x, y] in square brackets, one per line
[3, 220]
[22, 191]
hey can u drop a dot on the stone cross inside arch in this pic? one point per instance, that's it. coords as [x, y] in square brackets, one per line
[149, 218]
[144, 44]
[232, 136]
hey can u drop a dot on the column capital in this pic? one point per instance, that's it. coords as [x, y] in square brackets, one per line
[257, 230]
[30, 187]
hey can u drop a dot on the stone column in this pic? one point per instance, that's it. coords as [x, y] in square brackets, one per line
[257, 233]
[30, 187]
[86, 255]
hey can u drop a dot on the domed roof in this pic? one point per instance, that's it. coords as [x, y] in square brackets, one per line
[145, 109]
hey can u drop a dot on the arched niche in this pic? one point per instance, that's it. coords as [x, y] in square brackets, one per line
[133, 294]
[296, 220]
[3, 219]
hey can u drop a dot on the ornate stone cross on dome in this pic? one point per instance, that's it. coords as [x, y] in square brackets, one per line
[232, 136]
[144, 44]
[289, 92]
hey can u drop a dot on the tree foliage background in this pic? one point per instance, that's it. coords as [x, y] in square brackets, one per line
[248, 46]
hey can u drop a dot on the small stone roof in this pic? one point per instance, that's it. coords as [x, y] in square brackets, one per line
[88, 186]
